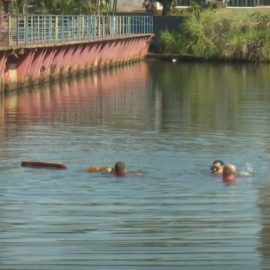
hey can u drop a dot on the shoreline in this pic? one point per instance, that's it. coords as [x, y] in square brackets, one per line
[190, 58]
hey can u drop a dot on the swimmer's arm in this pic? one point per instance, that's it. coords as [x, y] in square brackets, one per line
[244, 173]
[96, 169]
[135, 173]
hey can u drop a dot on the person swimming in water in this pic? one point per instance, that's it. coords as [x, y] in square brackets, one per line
[217, 167]
[119, 169]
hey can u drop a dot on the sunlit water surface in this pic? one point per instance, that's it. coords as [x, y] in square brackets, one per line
[169, 121]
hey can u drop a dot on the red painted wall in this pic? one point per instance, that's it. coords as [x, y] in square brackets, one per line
[33, 65]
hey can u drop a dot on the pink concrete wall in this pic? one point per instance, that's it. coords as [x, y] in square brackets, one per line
[32, 65]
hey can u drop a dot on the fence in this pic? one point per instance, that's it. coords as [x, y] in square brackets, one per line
[235, 3]
[182, 2]
[38, 30]
[244, 3]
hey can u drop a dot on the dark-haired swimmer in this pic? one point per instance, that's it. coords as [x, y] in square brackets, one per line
[217, 167]
[230, 173]
[119, 169]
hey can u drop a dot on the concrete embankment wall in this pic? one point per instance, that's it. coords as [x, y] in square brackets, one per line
[28, 66]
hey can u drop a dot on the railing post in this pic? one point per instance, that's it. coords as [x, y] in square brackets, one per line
[103, 26]
[62, 29]
[113, 25]
[144, 24]
[49, 29]
[68, 28]
[17, 38]
[89, 27]
[116, 25]
[137, 25]
[125, 25]
[81, 27]
[9, 30]
[98, 26]
[95, 27]
[26, 34]
[129, 25]
[73, 27]
[132, 24]
[43, 38]
[121, 25]
[55, 29]
[34, 29]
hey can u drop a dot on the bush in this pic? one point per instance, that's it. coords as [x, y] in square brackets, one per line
[210, 36]
[168, 42]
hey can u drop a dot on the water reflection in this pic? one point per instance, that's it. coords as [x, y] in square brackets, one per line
[168, 120]
[218, 95]
[95, 96]
[264, 244]
[197, 98]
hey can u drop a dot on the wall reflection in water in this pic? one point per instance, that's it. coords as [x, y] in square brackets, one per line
[116, 98]
[161, 96]
[97, 94]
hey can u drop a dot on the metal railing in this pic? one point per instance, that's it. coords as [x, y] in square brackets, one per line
[44, 30]
[244, 3]
[181, 3]
[236, 3]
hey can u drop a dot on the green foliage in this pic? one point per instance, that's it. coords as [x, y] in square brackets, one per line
[266, 49]
[249, 38]
[209, 35]
[60, 6]
[168, 43]
[199, 31]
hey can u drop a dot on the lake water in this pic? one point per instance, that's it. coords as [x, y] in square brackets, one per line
[167, 120]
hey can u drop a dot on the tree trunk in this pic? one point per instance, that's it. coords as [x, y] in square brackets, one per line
[166, 6]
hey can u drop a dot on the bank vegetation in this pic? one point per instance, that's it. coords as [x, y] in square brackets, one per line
[210, 34]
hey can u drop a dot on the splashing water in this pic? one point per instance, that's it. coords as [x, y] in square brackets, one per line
[249, 168]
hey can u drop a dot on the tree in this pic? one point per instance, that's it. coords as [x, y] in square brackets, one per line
[166, 6]
[149, 5]
[63, 6]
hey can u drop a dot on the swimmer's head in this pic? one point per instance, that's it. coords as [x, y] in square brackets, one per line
[217, 167]
[120, 168]
[229, 172]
